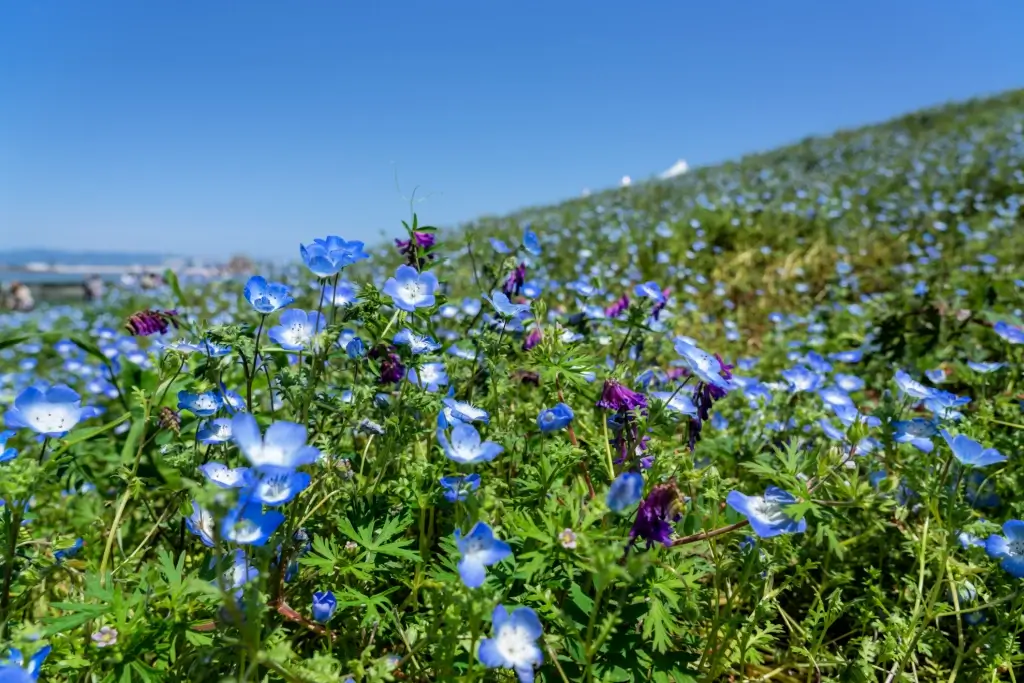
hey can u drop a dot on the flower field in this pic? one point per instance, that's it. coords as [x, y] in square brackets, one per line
[759, 422]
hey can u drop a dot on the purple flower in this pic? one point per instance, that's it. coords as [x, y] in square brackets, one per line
[617, 308]
[145, 323]
[657, 514]
[617, 397]
[532, 339]
[391, 368]
[515, 281]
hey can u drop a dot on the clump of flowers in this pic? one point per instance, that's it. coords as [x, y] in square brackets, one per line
[151, 321]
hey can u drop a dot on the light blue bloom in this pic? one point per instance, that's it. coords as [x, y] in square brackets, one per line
[417, 343]
[250, 525]
[1009, 548]
[479, 549]
[911, 387]
[530, 242]
[513, 644]
[297, 329]
[650, 290]
[849, 383]
[935, 375]
[5, 452]
[801, 378]
[266, 297]
[848, 415]
[324, 605]
[552, 419]
[499, 246]
[355, 349]
[431, 376]
[506, 308]
[706, 367]
[15, 670]
[970, 453]
[233, 401]
[49, 411]
[282, 448]
[626, 490]
[463, 412]
[853, 356]
[203, 404]
[215, 431]
[466, 447]
[279, 488]
[202, 524]
[1009, 333]
[225, 477]
[767, 514]
[410, 289]
[457, 487]
[342, 294]
[918, 432]
[677, 402]
[944, 404]
[985, 367]
[69, 552]
[835, 396]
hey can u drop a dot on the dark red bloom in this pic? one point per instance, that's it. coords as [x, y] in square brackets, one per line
[617, 308]
[657, 515]
[145, 323]
[516, 280]
[618, 397]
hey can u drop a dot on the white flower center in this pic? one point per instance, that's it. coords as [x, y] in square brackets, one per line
[1015, 548]
[49, 418]
[516, 646]
[768, 511]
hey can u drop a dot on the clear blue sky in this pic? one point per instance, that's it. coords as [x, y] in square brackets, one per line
[209, 127]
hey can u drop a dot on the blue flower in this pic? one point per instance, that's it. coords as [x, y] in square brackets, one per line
[849, 383]
[266, 297]
[944, 404]
[801, 378]
[650, 290]
[297, 329]
[202, 524]
[279, 488]
[233, 401]
[417, 343]
[1009, 548]
[706, 367]
[355, 349]
[226, 478]
[282, 448]
[767, 514]
[506, 308]
[49, 411]
[204, 404]
[215, 431]
[835, 396]
[410, 289]
[431, 376]
[457, 487]
[324, 605]
[69, 552]
[911, 387]
[463, 412]
[985, 367]
[918, 432]
[626, 490]
[15, 670]
[969, 452]
[342, 294]
[530, 242]
[479, 549]
[677, 402]
[249, 525]
[1011, 334]
[465, 446]
[499, 246]
[5, 452]
[555, 418]
[513, 644]
[935, 375]
[853, 356]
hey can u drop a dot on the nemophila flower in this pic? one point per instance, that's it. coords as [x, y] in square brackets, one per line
[215, 350]
[985, 368]
[969, 540]
[568, 539]
[853, 356]
[145, 323]
[848, 383]
[430, 376]
[935, 375]
[324, 605]
[911, 387]
[215, 431]
[767, 514]
[1009, 548]
[15, 670]
[530, 242]
[479, 549]
[239, 572]
[202, 404]
[944, 404]
[266, 297]
[202, 524]
[463, 412]
[250, 525]
[627, 489]
[341, 294]
[457, 487]
[325, 257]
[355, 349]
[48, 411]
[835, 396]
[706, 367]
[233, 401]
[1009, 333]
[297, 329]
[105, 636]
[465, 446]
[69, 552]
[677, 402]
[650, 290]
[278, 488]
[506, 308]
[970, 453]
[410, 289]
[918, 432]
[499, 246]
[417, 343]
[552, 419]
[656, 516]
[283, 447]
[801, 378]
[5, 452]
[225, 477]
[618, 397]
[513, 644]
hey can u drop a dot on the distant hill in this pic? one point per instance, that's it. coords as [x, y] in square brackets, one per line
[17, 257]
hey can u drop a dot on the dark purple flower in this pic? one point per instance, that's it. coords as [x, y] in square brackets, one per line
[516, 280]
[657, 514]
[419, 241]
[532, 339]
[391, 368]
[617, 308]
[661, 304]
[145, 323]
[617, 397]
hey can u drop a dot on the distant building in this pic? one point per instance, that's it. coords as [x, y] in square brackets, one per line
[678, 168]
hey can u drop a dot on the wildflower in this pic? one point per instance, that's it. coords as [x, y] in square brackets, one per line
[278, 488]
[464, 412]
[224, 477]
[341, 294]
[917, 432]
[479, 549]
[391, 367]
[568, 539]
[530, 242]
[532, 339]
[283, 447]
[215, 431]
[944, 404]
[297, 329]
[969, 452]
[1009, 548]
[49, 411]
[430, 376]
[201, 523]
[15, 670]
[506, 308]
[465, 446]
[709, 369]
[911, 387]
[617, 397]
[766, 514]
[513, 644]
[409, 289]
[1009, 333]
[617, 308]
[515, 281]
[328, 256]
[650, 290]
[105, 637]
[5, 452]
[627, 489]
[849, 383]
[985, 367]
[458, 487]
[202, 404]
[419, 241]
[656, 514]
[69, 552]
[249, 525]
[145, 323]
[676, 402]
[266, 297]
[499, 246]
[853, 356]
[555, 418]
[417, 343]
[801, 378]
[324, 605]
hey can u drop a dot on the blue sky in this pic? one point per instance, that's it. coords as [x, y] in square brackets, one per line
[212, 127]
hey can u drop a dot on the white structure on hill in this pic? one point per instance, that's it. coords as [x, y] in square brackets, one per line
[626, 181]
[678, 168]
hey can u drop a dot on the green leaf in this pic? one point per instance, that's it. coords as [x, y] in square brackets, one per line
[580, 599]
[134, 434]
[171, 278]
[13, 341]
